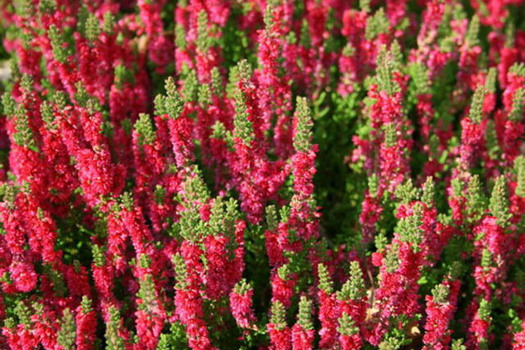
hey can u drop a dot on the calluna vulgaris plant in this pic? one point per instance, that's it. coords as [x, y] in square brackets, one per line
[262, 174]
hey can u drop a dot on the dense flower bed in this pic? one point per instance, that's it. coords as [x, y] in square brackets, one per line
[262, 174]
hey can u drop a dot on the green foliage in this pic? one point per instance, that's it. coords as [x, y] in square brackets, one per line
[92, 28]
[347, 326]
[406, 192]
[353, 289]
[441, 293]
[364, 5]
[325, 281]
[86, 305]
[123, 75]
[82, 97]
[518, 69]
[243, 127]
[377, 24]
[516, 113]
[304, 318]
[429, 192]
[499, 203]
[172, 103]
[419, 73]
[519, 166]
[473, 32]
[59, 285]
[57, 43]
[409, 228]
[476, 200]
[98, 256]
[144, 130]
[392, 258]
[47, 115]
[147, 293]
[66, 335]
[174, 340]
[303, 131]
[180, 37]
[109, 22]
[204, 95]
[385, 68]
[242, 287]
[491, 80]
[390, 135]
[477, 105]
[278, 315]
[204, 40]
[181, 273]
[113, 338]
[373, 185]
[8, 105]
[23, 313]
[484, 310]
[339, 189]
[458, 345]
[190, 86]
[24, 135]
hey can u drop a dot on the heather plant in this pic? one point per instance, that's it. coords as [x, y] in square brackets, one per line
[279, 174]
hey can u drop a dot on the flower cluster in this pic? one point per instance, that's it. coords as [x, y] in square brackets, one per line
[279, 174]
